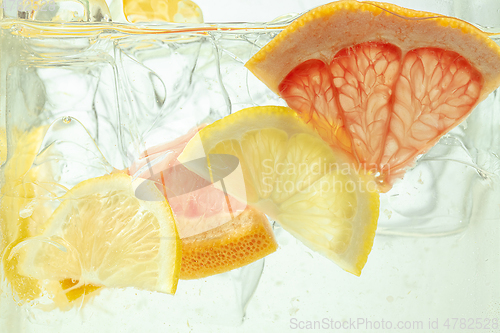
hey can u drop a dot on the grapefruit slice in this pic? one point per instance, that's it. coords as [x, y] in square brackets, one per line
[377, 81]
[218, 232]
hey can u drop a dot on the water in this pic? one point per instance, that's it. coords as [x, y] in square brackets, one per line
[95, 100]
[96, 103]
[131, 93]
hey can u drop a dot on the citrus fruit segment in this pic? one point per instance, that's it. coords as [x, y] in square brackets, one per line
[102, 235]
[178, 11]
[18, 194]
[218, 233]
[378, 81]
[294, 177]
[245, 239]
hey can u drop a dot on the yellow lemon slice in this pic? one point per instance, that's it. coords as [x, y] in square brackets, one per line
[294, 177]
[103, 235]
[18, 210]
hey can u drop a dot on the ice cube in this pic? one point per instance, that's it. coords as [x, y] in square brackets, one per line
[58, 10]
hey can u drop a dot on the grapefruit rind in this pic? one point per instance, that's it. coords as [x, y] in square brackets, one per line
[246, 238]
